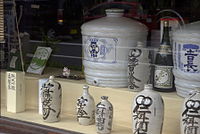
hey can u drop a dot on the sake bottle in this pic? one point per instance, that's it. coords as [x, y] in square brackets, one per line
[51, 100]
[104, 116]
[85, 108]
[147, 112]
[163, 76]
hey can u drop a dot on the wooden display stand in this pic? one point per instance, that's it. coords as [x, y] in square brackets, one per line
[121, 98]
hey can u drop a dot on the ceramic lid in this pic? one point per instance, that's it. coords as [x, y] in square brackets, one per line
[192, 28]
[114, 22]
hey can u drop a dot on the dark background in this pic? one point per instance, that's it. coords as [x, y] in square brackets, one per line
[39, 18]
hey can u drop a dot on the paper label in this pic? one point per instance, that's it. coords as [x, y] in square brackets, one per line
[100, 49]
[163, 77]
[189, 58]
[11, 81]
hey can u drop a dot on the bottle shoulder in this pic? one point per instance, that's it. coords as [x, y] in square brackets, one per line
[164, 59]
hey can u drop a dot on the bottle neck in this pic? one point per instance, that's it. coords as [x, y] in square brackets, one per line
[165, 36]
[165, 46]
[85, 91]
[51, 78]
[148, 87]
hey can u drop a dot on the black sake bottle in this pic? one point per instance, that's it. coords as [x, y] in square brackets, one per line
[163, 76]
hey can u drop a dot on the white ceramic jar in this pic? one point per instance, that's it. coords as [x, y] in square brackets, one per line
[85, 108]
[104, 116]
[51, 100]
[147, 112]
[186, 56]
[190, 115]
[138, 67]
[106, 43]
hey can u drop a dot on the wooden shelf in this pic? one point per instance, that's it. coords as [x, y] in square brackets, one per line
[121, 98]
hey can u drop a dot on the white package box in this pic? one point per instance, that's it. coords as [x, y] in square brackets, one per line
[15, 87]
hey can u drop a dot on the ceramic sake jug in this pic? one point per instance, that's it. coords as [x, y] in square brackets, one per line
[85, 108]
[190, 115]
[51, 100]
[186, 58]
[104, 116]
[106, 43]
[138, 67]
[147, 112]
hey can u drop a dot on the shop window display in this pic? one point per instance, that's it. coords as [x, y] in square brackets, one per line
[79, 32]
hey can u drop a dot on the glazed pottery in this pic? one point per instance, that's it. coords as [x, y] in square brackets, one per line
[186, 56]
[51, 100]
[104, 116]
[147, 112]
[40, 84]
[190, 115]
[138, 67]
[106, 43]
[85, 108]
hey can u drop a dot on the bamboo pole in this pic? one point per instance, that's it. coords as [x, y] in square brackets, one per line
[1, 21]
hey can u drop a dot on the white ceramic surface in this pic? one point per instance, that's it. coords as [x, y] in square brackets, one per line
[184, 87]
[104, 116]
[51, 100]
[40, 83]
[186, 54]
[190, 115]
[147, 112]
[138, 67]
[85, 108]
[106, 43]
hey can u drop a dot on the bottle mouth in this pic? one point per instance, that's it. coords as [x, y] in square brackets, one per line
[148, 86]
[85, 87]
[114, 12]
[51, 77]
[104, 97]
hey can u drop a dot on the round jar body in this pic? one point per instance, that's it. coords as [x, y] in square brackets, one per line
[186, 56]
[51, 100]
[104, 116]
[85, 108]
[147, 112]
[106, 43]
[190, 115]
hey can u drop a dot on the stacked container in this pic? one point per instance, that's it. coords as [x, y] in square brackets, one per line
[186, 56]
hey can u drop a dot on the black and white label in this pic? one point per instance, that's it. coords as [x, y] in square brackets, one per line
[163, 77]
[11, 81]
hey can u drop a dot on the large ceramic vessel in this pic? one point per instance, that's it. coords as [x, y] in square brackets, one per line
[106, 43]
[104, 116]
[190, 115]
[85, 108]
[138, 67]
[51, 100]
[147, 112]
[186, 56]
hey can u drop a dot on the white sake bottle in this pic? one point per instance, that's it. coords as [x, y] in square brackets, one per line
[51, 100]
[147, 112]
[85, 108]
[190, 115]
